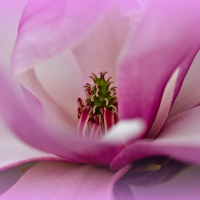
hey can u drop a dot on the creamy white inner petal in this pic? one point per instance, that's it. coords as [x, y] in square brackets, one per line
[165, 105]
[62, 79]
[100, 50]
[189, 95]
[125, 131]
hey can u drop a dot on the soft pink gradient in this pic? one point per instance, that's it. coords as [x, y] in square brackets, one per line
[13, 152]
[10, 13]
[59, 181]
[147, 48]
[154, 52]
[179, 139]
[68, 20]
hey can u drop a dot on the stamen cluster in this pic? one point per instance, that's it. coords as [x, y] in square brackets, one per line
[100, 106]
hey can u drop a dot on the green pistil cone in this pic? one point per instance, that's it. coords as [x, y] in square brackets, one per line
[102, 96]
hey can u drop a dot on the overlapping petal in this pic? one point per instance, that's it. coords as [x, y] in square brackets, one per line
[179, 139]
[9, 19]
[10, 176]
[165, 105]
[190, 93]
[13, 152]
[60, 180]
[62, 87]
[45, 21]
[100, 49]
[154, 53]
[55, 88]
[49, 27]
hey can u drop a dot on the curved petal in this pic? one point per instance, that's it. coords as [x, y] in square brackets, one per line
[63, 81]
[33, 102]
[180, 139]
[48, 27]
[13, 152]
[122, 191]
[54, 180]
[155, 51]
[125, 131]
[51, 106]
[165, 105]
[189, 95]
[56, 88]
[100, 49]
[9, 19]
[129, 7]
[10, 176]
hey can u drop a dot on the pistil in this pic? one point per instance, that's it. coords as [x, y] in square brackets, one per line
[98, 112]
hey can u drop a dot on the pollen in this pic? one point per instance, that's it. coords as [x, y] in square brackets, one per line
[99, 111]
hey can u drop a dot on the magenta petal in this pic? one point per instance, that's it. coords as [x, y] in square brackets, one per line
[179, 139]
[48, 27]
[166, 37]
[54, 180]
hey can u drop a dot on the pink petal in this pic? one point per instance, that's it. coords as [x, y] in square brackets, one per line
[54, 180]
[189, 95]
[165, 105]
[100, 49]
[53, 110]
[10, 176]
[56, 88]
[123, 192]
[33, 102]
[43, 136]
[183, 187]
[48, 27]
[179, 139]
[155, 51]
[13, 152]
[129, 7]
[63, 81]
[9, 18]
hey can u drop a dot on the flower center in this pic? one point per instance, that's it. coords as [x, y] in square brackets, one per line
[98, 112]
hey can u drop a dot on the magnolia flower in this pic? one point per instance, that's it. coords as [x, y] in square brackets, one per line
[147, 49]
